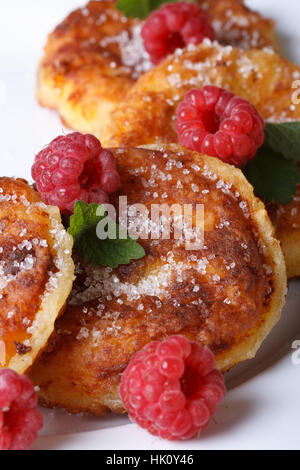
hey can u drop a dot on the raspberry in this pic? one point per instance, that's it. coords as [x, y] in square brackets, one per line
[173, 26]
[20, 420]
[172, 388]
[72, 168]
[218, 123]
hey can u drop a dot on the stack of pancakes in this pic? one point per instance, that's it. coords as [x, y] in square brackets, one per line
[229, 293]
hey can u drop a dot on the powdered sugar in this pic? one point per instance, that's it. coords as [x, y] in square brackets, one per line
[133, 55]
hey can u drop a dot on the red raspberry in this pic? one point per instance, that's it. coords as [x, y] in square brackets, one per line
[218, 123]
[174, 26]
[72, 168]
[20, 420]
[172, 388]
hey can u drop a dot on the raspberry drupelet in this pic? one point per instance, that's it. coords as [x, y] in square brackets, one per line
[172, 388]
[174, 26]
[215, 122]
[75, 167]
[20, 419]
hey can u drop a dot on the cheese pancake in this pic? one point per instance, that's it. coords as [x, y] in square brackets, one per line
[286, 220]
[261, 76]
[227, 293]
[93, 58]
[36, 273]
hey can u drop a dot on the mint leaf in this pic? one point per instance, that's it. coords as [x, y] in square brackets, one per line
[109, 252]
[139, 8]
[273, 177]
[284, 138]
[85, 217]
[133, 8]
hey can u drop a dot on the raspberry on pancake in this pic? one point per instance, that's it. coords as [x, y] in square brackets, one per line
[75, 168]
[172, 388]
[220, 124]
[173, 26]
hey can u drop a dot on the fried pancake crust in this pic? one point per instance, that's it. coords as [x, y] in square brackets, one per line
[227, 295]
[93, 58]
[262, 77]
[36, 273]
[286, 220]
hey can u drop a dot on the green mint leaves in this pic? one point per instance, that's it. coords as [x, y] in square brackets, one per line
[87, 223]
[139, 8]
[274, 173]
[284, 138]
[273, 177]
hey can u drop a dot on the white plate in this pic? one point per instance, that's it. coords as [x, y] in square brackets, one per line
[261, 409]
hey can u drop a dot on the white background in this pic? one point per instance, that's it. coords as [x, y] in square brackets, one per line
[262, 407]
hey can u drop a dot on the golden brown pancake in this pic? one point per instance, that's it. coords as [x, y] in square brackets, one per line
[286, 220]
[261, 76]
[226, 294]
[36, 273]
[94, 57]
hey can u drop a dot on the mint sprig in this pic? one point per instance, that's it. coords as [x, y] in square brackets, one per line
[273, 177]
[274, 172]
[140, 8]
[113, 251]
[284, 138]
